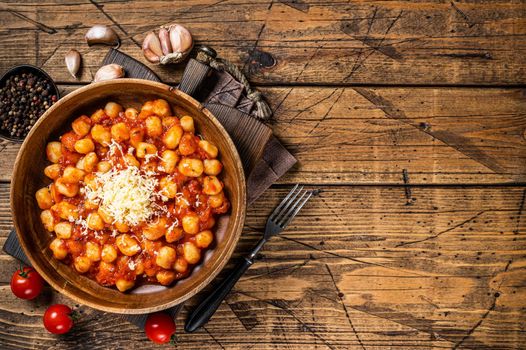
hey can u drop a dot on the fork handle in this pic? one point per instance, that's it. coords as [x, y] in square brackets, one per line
[209, 305]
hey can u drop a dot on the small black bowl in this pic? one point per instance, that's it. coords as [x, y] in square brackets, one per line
[25, 68]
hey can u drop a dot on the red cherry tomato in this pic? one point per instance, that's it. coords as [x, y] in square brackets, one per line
[159, 327]
[26, 283]
[58, 319]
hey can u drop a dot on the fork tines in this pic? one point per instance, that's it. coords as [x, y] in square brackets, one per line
[290, 206]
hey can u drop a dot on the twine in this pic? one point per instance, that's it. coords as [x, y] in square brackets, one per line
[207, 56]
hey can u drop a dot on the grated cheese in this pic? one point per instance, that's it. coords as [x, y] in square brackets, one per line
[197, 201]
[180, 196]
[173, 225]
[160, 209]
[114, 147]
[83, 225]
[125, 194]
[148, 157]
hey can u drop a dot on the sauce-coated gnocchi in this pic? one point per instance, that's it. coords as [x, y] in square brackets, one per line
[134, 195]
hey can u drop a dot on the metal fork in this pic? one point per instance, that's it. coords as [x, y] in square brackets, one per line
[276, 223]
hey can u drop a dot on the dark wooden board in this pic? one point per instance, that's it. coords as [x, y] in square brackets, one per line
[362, 268]
[291, 42]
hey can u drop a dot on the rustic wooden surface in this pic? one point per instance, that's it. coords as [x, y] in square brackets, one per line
[410, 116]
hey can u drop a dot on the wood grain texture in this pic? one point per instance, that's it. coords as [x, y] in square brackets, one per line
[370, 135]
[427, 251]
[291, 42]
[363, 270]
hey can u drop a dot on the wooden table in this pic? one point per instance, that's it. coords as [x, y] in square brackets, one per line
[410, 116]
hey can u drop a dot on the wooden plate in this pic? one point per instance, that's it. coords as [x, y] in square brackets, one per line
[28, 177]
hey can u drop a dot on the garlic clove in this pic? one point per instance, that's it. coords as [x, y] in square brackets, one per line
[180, 38]
[73, 60]
[164, 38]
[150, 56]
[151, 48]
[108, 72]
[101, 34]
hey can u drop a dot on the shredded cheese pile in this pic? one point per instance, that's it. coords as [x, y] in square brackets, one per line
[126, 194]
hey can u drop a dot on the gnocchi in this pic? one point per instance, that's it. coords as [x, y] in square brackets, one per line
[127, 245]
[54, 151]
[44, 199]
[212, 166]
[58, 247]
[133, 195]
[154, 126]
[120, 132]
[169, 161]
[93, 251]
[124, 284]
[191, 167]
[112, 109]
[73, 175]
[172, 136]
[101, 134]
[63, 230]
[109, 253]
[53, 171]
[81, 126]
[84, 146]
[166, 257]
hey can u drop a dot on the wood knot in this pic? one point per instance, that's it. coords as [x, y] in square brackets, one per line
[425, 126]
[258, 60]
[350, 27]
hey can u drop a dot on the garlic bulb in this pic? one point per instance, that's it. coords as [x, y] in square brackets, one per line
[101, 34]
[171, 45]
[108, 72]
[73, 60]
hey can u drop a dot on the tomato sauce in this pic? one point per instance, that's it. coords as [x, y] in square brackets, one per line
[109, 265]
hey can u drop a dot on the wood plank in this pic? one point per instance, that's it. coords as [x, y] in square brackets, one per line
[363, 269]
[370, 135]
[284, 42]
[374, 135]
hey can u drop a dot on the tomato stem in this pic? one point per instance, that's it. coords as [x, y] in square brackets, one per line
[74, 315]
[23, 273]
[173, 340]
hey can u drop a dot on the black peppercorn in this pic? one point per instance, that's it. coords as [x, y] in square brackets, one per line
[24, 97]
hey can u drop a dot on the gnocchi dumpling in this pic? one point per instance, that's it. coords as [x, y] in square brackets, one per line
[117, 163]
